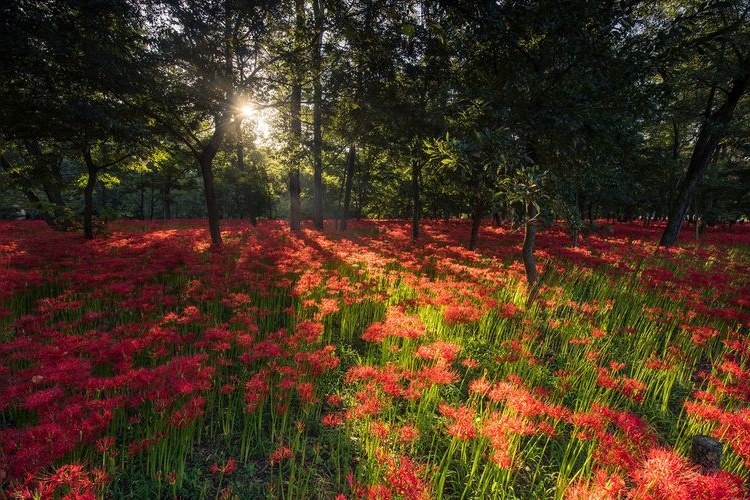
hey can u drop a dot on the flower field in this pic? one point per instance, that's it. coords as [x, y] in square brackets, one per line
[145, 364]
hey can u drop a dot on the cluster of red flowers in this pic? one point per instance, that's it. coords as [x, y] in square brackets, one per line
[116, 345]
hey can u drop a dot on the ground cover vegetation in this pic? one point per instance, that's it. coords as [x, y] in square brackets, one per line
[374, 248]
[146, 364]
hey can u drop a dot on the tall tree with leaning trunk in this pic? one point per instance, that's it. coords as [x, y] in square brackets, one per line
[711, 131]
[711, 40]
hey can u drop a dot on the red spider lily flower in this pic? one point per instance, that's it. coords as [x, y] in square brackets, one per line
[407, 434]
[103, 445]
[225, 469]
[308, 332]
[438, 375]
[43, 398]
[663, 474]
[317, 362]
[470, 363]
[396, 324]
[379, 429]
[306, 392]
[256, 390]
[405, 480]
[604, 486]
[459, 314]
[369, 403]
[334, 400]
[461, 421]
[479, 386]
[445, 352]
[280, 454]
[333, 419]
[605, 381]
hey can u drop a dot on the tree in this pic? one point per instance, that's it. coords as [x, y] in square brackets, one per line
[59, 86]
[210, 55]
[717, 34]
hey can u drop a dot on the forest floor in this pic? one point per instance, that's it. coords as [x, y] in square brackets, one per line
[147, 364]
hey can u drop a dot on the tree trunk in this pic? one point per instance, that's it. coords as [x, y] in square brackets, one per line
[88, 196]
[151, 199]
[294, 183]
[295, 110]
[351, 162]
[317, 117]
[142, 206]
[529, 263]
[166, 198]
[675, 158]
[205, 160]
[711, 131]
[416, 170]
[476, 221]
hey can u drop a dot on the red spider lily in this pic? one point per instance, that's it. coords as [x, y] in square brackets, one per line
[444, 352]
[479, 386]
[396, 324]
[460, 314]
[408, 434]
[460, 421]
[306, 392]
[438, 374]
[257, 388]
[307, 332]
[333, 419]
[379, 429]
[334, 400]
[604, 486]
[103, 445]
[280, 454]
[225, 469]
[368, 402]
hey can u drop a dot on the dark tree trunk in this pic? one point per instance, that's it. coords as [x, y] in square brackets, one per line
[239, 145]
[151, 200]
[88, 195]
[295, 110]
[476, 221]
[294, 183]
[675, 158]
[317, 118]
[351, 162]
[416, 170]
[205, 160]
[142, 204]
[711, 131]
[166, 198]
[529, 262]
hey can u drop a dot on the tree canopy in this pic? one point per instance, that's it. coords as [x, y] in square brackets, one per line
[528, 111]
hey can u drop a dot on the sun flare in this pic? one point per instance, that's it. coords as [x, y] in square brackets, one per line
[248, 111]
